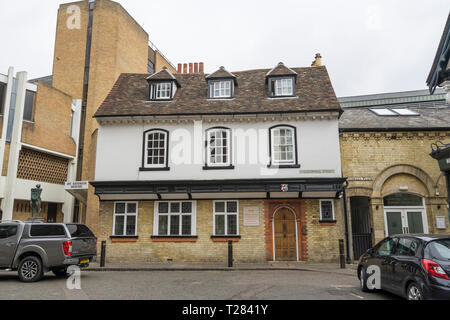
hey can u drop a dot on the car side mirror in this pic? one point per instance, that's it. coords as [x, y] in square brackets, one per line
[369, 251]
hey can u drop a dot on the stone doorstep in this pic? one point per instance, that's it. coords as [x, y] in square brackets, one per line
[287, 266]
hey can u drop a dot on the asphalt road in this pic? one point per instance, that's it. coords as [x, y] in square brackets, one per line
[192, 285]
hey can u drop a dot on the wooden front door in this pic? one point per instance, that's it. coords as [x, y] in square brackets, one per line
[285, 235]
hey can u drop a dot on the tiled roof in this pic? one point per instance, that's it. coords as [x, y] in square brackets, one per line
[163, 74]
[221, 73]
[281, 70]
[128, 97]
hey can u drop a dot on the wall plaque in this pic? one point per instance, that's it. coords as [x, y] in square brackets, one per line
[251, 216]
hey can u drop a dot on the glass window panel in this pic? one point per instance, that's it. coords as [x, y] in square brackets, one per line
[163, 207]
[231, 206]
[220, 225]
[120, 207]
[219, 206]
[175, 207]
[162, 226]
[186, 225]
[186, 207]
[232, 224]
[403, 199]
[119, 226]
[28, 108]
[327, 210]
[131, 225]
[174, 225]
[131, 208]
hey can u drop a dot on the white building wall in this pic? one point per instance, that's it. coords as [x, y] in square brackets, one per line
[120, 147]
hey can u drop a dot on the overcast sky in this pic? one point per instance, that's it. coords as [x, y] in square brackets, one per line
[367, 46]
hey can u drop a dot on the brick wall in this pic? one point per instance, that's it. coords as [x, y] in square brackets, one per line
[250, 248]
[319, 245]
[389, 160]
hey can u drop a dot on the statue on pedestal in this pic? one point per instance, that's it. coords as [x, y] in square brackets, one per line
[36, 200]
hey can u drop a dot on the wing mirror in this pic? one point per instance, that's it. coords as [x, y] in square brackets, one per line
[369, 251]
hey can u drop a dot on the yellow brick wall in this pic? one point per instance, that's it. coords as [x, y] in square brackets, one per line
[51, 121]
[5, 159]
[161, 62]
[70, 51]
[119, 45]
[370, 154]
[250, 248]
[323, 238]
[22, 211]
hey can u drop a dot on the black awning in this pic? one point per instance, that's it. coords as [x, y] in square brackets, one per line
[253, 186]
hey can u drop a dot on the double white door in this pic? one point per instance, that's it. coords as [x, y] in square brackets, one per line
[405, 221]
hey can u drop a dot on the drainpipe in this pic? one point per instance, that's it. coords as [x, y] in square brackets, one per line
[347, 240]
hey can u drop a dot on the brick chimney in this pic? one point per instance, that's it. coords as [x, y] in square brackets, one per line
[197, 67]
[318, 61]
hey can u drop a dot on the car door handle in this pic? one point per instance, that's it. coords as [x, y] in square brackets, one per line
[10, 244]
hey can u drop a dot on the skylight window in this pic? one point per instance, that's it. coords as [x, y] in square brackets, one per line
[405, 112]
[384, 112]
[393, 112]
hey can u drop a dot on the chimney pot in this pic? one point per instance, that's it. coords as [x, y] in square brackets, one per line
[201, 67]
[180, 68]
[185, 68]
[190, 67]
[318, 61]
[196, 67]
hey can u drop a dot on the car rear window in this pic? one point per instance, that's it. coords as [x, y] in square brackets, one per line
[79, 230]
[47, 230]
[440, 249]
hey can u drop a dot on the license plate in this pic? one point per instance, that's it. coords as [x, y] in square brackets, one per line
[84, 261]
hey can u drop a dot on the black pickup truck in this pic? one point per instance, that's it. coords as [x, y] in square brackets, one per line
[34, 248]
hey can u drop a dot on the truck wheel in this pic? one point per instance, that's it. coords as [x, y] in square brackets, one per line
[30, 269]
[60, 272]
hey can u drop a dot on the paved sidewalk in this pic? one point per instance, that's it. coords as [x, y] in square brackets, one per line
[187, 266]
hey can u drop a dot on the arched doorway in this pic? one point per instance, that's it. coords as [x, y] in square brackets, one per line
[285, 235]
[405, 213]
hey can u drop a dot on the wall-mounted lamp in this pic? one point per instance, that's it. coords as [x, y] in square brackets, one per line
[376, 207]
[439, 207]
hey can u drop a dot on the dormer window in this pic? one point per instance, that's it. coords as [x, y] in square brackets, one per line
[281, 81]
[162, 86]
[220, 89]
[284, 87]
[161, 91]
[221, 84]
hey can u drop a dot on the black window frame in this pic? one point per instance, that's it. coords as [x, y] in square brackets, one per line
[145, 166]
[271, 81]
[152, 92]
[230, 146]
[3, 88]
[211, 92]
[283, 166]
[32, 105]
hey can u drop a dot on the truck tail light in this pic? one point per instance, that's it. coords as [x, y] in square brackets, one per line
[67, 247]
[434, 269]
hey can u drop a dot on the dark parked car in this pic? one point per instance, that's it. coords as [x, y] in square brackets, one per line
[414, 266]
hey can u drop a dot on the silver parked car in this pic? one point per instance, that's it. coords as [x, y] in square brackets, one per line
[33, 248]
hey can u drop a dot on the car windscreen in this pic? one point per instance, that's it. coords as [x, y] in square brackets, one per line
[439, 249]
[79, 231]
[46, 230]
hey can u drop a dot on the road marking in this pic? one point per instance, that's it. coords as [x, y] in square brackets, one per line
[355, 295]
